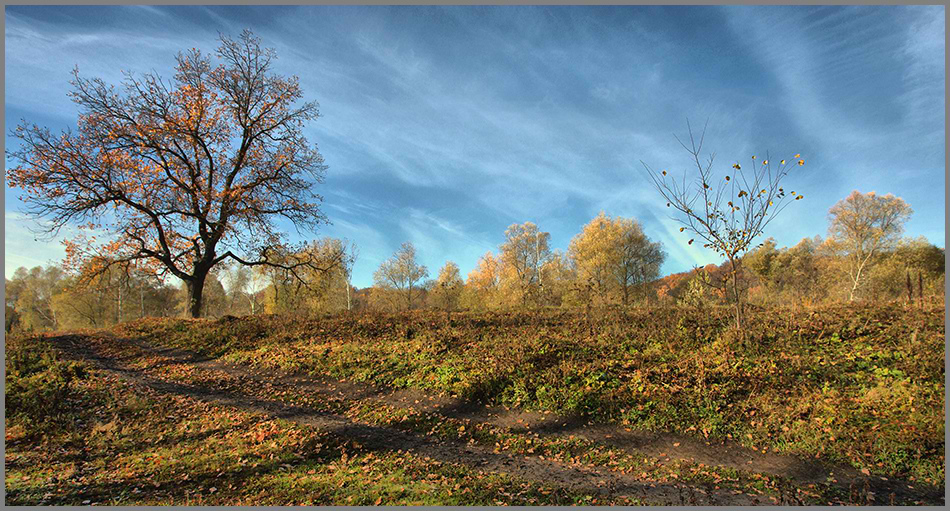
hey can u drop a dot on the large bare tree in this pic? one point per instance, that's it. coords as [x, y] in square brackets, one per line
[176, 176]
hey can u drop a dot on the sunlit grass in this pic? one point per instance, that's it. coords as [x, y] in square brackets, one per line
[811, 382]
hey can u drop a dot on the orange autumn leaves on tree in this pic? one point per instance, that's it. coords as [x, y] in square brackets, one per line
[176, 176]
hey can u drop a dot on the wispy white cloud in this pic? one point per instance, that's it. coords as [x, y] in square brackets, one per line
[40, 57]
[924, 97]
[442, 126]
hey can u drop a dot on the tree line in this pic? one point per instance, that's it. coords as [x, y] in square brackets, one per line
[611, 262]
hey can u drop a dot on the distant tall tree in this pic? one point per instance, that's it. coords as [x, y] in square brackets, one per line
[180, 174]
[285, 286]
[30, 294]
[761, 261]
[86, 302]
[615, 256]
[447, 288]
[921, 256]
[237, 278]
[523, 253]
[11, 317]
[789, 274]
[401, 272]
[483, 283]
[308, 289]
[862, 225]
[904, 270]
[351, 253]
[640, 259]
[330, 291]
[730, 212]
[558, 275]
[88, 297]
[594, 254]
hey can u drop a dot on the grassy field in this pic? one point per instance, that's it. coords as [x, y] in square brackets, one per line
[80, 436]
[853, 385]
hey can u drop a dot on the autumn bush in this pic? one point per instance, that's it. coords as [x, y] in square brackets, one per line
[39, 385]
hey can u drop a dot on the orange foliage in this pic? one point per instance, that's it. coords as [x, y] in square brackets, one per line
[177, 176]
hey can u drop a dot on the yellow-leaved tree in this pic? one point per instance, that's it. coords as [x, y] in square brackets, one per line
[523, 254]
[862, 226]
[482, 287]
[612, 257]
[401, 274]
[447, 289]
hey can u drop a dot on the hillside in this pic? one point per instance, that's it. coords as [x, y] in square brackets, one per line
[832, 405]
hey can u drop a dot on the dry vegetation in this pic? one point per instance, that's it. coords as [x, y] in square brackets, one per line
[860, 386]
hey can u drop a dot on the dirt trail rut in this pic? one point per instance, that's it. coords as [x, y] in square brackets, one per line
[667, 447]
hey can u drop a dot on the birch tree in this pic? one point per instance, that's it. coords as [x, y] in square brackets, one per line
[614, 257]
[523, 254]
[863, 225]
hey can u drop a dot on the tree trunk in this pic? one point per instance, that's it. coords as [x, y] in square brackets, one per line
[346, 282]
[195, 289]
[856, 278]
[735, 290]
[537, 271]
[910, 290]
[854, 287]
[118, 307]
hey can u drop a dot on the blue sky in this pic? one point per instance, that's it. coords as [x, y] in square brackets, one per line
[444, 125]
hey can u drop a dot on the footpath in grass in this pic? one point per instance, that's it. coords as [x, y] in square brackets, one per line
[861, 386]
[371, 427]
[125, 468]
[437, 432]
[652, 458]
[111, 440]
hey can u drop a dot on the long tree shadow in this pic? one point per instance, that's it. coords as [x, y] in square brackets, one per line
[146, 487]
[381, 438]
[375, 438]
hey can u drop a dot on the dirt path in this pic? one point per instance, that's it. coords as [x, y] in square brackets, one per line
[666, 447]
